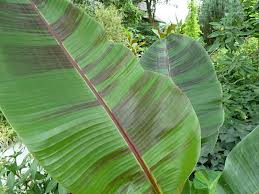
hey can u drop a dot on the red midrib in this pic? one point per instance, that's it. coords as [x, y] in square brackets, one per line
[122, 131]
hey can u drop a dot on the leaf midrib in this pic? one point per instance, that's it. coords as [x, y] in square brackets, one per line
[122, 131]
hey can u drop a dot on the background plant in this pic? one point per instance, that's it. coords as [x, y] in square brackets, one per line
[132, 15]
[7, 134]
[235, 56]
[118, 18]
[232, 29]
[213, 11]
[22, 174]
[238, 73]
[192, 26]
[240, 174]
[111, 20]
[135, 43]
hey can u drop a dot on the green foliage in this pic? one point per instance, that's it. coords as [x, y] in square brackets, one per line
[251, 7]
[145, 28]
[135, 43]
[236, 63]
[87, 5]
[204, 182]
[123, 12]
[240, 174]
[238, 73]
[232, 29]
[210, 11]
[109, 17]
[165, 32]
[25, 177]
[111, 20]
[213, 11]
[192, 27]
[169, 29]
[132, 15]
[7, 134]
[239, 21]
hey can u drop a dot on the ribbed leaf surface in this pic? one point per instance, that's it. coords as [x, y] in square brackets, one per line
[188, 64]
[241, 172]
[85, 108]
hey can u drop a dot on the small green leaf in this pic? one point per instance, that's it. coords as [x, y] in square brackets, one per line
[214, 47]
[206, 179]
[33, 168]
[51, 185]
[12, 167]
[39, 176]
[37, 189]
[10, 181]
[156, 32]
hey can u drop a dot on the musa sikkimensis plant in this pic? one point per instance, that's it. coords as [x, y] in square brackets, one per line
[86, 109]
[189, 66]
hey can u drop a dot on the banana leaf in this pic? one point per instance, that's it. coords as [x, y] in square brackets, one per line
[241, 172]
[188, 64]
[86, 109]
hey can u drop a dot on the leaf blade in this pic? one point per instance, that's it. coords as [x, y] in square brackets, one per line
[189, 66]
[61, 120]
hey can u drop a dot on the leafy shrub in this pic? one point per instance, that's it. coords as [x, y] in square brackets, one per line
[231, 31]
[213, 11]
[25, 177]
[135, 43]
[109, 17]
[111, 20]
[87, 5]
[250, 6]
[210, 11]
[7, 134]
[132, 15]
[169, 29]
[192, 27]
[238, 73]
[145, 29]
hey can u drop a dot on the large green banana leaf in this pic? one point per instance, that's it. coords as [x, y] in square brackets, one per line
[85, 108]
[241, 172]
[190, 67]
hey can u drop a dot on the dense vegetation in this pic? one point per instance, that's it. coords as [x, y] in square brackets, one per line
[229, 32]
